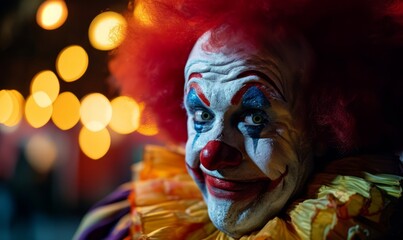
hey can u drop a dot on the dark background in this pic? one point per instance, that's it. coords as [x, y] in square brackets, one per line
[42, 206]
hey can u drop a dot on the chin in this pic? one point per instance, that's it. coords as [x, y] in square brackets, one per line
[230, 217]
[243, 216]
[238, 210]
[239, 217]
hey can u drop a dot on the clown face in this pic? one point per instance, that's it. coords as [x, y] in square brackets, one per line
[245, 149]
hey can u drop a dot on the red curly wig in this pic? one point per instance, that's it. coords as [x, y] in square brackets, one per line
[354, 96]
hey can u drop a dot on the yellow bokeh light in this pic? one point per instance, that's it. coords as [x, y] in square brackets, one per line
[42, 99]
[18, 108]
[107, 30]
[41, 153]
[95, 111]
[148, 129]
[35, 115]
[94, 144]
[51, 14]
[72, 63]
[125, 115]
[148, 125]
[66, 111]
[6, 105]
[142, 15]
[44, 88]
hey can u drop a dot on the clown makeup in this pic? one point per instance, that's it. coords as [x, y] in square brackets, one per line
[244, 148]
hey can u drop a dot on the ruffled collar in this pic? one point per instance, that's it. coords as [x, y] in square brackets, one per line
[166, 204]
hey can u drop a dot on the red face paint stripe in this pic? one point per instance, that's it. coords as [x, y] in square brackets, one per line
[195, 75]
[263, 76]
[200, 93]
[238, 95]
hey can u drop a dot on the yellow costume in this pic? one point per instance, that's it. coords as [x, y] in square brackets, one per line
[164, 203]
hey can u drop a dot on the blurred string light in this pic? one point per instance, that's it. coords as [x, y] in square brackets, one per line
[44, 88]
[72, 63]
[125, 115]
[140, 13]
[11, 105]
[94, 144]
[36, 115]
[149, 128]
[95, 111]
[6, 104]
[148, 125]
[51, 14]
[17, 109]
[66, 111]
[41, 153]
[107, 30]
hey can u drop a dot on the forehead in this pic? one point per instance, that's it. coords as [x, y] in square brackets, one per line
[231, 62]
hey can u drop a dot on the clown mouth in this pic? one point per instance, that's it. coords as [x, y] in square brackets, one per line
[235, 189]
[239, 190]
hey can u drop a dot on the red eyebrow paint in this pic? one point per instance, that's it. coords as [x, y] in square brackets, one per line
[200, 93]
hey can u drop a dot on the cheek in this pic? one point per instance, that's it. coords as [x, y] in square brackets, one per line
[195, 143]
[191, 154]
[268, 157]
[260, 152]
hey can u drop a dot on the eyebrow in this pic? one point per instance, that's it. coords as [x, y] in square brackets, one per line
[195, 75]
[199, 93]
[236, 99]
[264, 77]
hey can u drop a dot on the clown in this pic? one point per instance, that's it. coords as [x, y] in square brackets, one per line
[245, 147]
[280, 121]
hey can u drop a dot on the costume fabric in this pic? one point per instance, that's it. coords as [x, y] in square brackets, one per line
[340, 202]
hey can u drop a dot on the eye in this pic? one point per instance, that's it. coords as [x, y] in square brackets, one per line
[255, 119]
[202, 116]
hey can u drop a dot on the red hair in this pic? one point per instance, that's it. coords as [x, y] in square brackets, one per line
[355, 89]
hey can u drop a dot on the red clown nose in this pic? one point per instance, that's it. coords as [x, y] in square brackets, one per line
[218, 155]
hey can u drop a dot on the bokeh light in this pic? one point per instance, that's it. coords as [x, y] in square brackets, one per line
[6, 105]
[72, 63]
[148, 125]
[44, 88]
[35, 115]
[41, 153]
[94, 144]
[125, 115]
[17, 109]
[66, 111]
[51, 14]
[95, 111]
[141, 14]
[107, 30]
[148, 129]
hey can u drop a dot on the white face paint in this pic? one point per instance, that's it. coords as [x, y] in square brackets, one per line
[244, 148]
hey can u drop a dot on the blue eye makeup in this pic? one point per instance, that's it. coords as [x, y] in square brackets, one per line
[253, 122]
[254, 98]
[253, 118]
[192, 100]
[202, 117]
